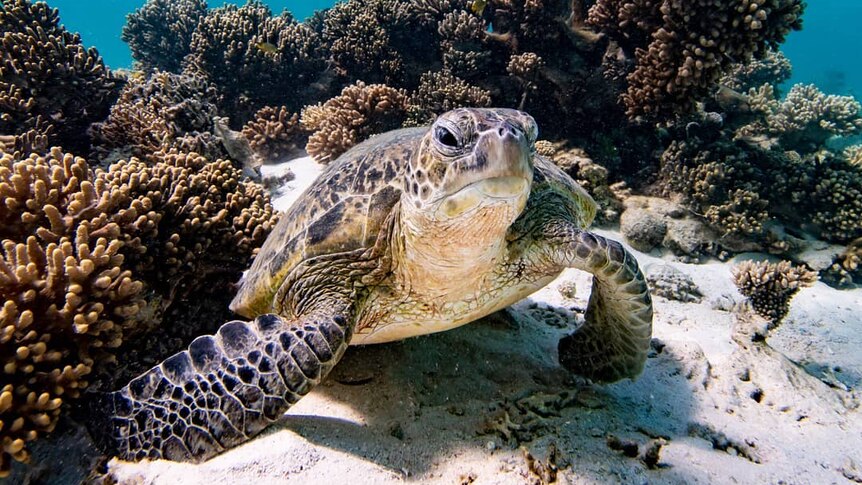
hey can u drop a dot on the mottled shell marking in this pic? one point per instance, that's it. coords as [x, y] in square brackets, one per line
[342, 211]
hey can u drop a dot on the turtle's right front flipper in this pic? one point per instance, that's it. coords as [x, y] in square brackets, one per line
[225, 388]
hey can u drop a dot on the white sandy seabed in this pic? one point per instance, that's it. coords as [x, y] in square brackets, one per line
[488, 403]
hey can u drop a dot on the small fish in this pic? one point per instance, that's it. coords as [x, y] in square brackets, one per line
[478, 6]
[266, 47]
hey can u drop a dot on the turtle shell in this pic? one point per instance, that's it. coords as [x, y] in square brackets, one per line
[342, 211]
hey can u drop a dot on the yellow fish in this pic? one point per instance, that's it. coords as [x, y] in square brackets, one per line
[267, 47]
[478, 6]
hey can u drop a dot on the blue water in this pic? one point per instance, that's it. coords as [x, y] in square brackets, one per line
[100, 21]
[826, 52]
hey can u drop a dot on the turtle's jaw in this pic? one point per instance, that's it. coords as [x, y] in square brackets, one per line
[510, 191]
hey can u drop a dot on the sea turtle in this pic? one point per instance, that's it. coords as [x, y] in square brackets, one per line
[411, 232]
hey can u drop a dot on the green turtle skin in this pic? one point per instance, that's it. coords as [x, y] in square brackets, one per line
[411, 232]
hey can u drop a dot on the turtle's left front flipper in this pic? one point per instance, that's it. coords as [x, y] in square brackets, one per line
[225, 388]
[614, 340]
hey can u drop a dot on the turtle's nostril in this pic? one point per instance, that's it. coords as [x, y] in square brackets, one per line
[509, 129]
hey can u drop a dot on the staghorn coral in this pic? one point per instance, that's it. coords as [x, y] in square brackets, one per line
[681, 47]
[804, 120]
[160, 32]
[440, 92]
[47, 78]
[159, 112]
[253, 59]
[85, 252]
[358, 112]
[274, 133]
[770, 286]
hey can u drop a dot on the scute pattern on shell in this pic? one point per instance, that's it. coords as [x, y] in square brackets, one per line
[342, 211]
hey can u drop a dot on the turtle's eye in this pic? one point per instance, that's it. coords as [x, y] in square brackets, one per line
[447, 137]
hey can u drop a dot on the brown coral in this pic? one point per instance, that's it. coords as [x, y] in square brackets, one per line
[358, 112]
[253, 59]
[443, 91]
[79, 249]
[773, 68]
[770, 286]
[718, 182]
[48, 78]
[159, 112]
[805, 119]
[275, 133]
[160, 32]
[682, 47]
[66, 294]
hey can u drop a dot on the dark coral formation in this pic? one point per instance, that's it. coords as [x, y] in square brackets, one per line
[442, 91]
[773, 67]
[275, 133]
[254, 60]
[359, 112]
[157, 113]
[681, 48]
[48, 81]
[160, 32]
[86, 251]
[770, 286]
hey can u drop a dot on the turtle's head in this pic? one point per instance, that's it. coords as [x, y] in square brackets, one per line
[473, 160]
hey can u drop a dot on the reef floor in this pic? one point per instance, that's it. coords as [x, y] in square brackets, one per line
[488, 403]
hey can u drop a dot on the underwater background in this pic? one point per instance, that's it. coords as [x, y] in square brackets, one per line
[825, 52]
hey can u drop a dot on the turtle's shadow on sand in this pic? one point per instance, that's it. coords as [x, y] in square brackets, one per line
[422, 399]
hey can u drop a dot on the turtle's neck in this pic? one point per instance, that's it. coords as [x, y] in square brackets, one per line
[448, 258]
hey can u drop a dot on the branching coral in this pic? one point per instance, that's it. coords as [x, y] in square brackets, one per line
[770, 286]
[157, 113]
[846, 268]
[47, 78]
[440, 92]
[358, 112]
[682, 47]
[160, 32]
[773, 68]
[853, 155]
[805, 119]
[253, 59]
[84, 252]
[275, 133]
[359, 33]
[835, 200]
[66, 293]
[721, 183]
